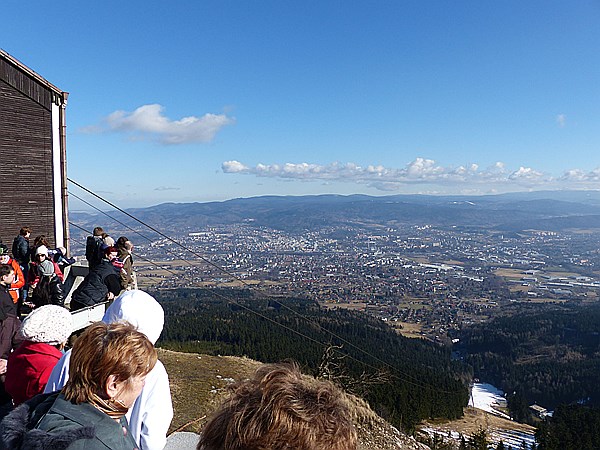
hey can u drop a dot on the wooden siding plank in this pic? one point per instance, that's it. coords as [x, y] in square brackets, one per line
[25, 164]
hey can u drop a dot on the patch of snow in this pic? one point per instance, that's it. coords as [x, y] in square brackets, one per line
[512, 438]
[486, 397]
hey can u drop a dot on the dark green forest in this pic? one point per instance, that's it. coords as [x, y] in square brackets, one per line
[573, 427]
[548, 355]
[404, 380]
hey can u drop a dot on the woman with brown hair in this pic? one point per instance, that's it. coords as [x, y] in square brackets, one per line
[109, 364]
[279, 409]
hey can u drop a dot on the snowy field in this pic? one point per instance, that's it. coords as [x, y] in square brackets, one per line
[487, 398]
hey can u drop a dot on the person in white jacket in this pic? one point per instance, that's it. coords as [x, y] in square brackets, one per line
[150, 417]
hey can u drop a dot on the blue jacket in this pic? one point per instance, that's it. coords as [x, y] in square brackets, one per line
[21, 251]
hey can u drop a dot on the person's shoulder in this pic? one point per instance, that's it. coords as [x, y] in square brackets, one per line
[158, 372]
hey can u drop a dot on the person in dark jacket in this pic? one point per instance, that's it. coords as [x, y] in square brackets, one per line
[101, 283]
[49, 289]
[94, 247]
[20, 248]
[109, 367]
[9, 323]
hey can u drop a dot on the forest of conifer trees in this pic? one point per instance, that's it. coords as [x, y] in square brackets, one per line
[404, 380]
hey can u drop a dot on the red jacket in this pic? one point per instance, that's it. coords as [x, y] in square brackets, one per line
[29, 368]
[33, 275]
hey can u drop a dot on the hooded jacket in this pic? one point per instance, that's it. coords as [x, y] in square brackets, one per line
[151, 414]
[30, 366]
[101, 279]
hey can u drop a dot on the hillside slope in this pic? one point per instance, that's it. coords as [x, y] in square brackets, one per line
[199, 384]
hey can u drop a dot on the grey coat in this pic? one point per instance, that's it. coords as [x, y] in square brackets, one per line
[49, 422]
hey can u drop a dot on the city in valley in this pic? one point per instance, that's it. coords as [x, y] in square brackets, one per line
[424, 280]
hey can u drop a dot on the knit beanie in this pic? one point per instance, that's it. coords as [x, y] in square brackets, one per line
[51, 324]
[41, 250]
[46, 268]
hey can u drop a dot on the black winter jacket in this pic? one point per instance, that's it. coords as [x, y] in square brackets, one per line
[49, 291]
[21, 251]
[101, 280]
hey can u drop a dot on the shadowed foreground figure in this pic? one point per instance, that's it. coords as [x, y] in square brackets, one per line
[281, 409]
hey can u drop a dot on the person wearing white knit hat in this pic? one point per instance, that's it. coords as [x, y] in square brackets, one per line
[45, 332]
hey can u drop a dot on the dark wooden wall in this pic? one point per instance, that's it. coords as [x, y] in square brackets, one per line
[26, 188]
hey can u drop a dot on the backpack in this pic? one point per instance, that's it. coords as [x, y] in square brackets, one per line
[93, 250]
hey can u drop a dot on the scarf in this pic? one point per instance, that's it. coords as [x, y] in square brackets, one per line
[115, 409]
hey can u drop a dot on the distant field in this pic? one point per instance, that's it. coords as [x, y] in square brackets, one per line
[410, 330]
[509, 273]
[547, 300]
[454, 262]
[352, 306]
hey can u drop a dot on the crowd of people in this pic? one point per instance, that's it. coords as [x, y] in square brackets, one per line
[110, 391]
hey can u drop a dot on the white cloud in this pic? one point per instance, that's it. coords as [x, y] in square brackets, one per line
[526, 174]
[561, 120]
[234, 167]
[149, 122]
[577, 175]
[420, 171]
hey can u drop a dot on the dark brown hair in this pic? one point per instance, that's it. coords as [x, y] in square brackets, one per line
[41, 240]
[281, 409]
[103, 350]
[23, 231]
[5, 269]
[120, 244]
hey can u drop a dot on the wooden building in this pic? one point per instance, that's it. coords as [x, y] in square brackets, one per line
[33, 176]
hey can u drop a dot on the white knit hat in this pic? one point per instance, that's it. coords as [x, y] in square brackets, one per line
[51, 324]
[41, 250]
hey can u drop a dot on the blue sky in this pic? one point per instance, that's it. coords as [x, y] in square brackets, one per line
[210, 100]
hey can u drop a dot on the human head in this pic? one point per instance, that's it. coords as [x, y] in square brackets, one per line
[111, 252]
[41, 240]
[105, 353]
[139, 309]
[4, 256]
[25, 231]
[121, 242]
[281, 409]
[98, 231]
[7, 274]
[108, 240]
[46, 268]
[50, 324]
[41, 250]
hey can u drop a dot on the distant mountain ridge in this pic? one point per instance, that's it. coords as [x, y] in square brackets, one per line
[552, 210]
